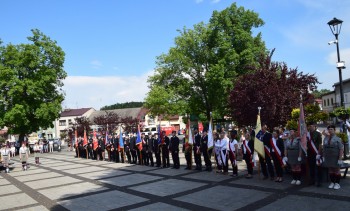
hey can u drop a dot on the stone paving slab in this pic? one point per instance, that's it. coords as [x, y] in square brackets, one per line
[84, 170]
[159, 206]
[71, 190]
[7, 189]
[138, 168]
[16, 200]
[167, 187]
[54, 164]
[102, 201]
[130, 179]
[69, 166]
[294, 203]
[4, 182]
[103, 174]
[170, 171]
[36, 208]
[30, 171]
[45, 183]
[208, 176]
[343, 191]
[116, 165]
[223, 197]
[26, 178]
[258, 182]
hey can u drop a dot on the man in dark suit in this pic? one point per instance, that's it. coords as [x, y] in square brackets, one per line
[197, 150]
[174, 148]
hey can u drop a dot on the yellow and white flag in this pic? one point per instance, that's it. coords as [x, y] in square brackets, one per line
[258, 144]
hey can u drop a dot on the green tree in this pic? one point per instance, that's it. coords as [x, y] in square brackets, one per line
[200, 69]
[318, 93]
[122, 105]
[313, 114]
[31, 80]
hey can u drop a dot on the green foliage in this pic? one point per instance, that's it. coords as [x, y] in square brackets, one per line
[343, 137]
[122, 105]
[340, 112]
[319, 93]
[31, 80]
[313, 114]
[199, 71]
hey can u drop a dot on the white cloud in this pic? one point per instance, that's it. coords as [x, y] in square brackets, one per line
[98, 91]
[96, 64]
[332, 58]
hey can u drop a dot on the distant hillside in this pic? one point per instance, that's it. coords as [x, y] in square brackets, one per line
[123, 105]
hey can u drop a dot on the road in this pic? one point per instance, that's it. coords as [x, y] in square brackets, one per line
[63, 182]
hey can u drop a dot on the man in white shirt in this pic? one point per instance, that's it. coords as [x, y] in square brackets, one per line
[51, 145]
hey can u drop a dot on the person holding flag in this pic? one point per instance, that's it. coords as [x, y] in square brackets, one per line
[157, 140]
[188, 146]
[205, 151]
[264, 136]
[101, 149]
[197, 150]
[139, 143]
[120, 147]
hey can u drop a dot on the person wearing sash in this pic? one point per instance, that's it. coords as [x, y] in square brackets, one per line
[165, 150]
[266, 164]
[221, 149]
[204, 149]
[277, 153]
[5, 157]
[197, 150]
[333, 149]
[217, 153]
[23, 156]
[247, 151]
[233, 152]
[314, 145]
[292, 154]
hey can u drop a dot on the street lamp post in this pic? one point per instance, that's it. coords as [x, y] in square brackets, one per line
[335, 26]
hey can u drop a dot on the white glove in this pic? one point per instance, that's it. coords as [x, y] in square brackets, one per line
[299, 159]
[285, 159]
[318, 157]
[340, 162]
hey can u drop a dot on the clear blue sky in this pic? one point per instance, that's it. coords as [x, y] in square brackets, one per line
[111, 46]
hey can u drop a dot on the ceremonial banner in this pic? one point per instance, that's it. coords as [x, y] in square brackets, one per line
[189, 137]
[138, 139]
[258, 145]
[302, 130]
[106, 138]
[121, 141]
[85, 142]
[76, 137]
[160, 138]
[95, 141]
[210, 135]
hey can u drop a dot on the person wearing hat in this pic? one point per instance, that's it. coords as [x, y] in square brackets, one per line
[174, 149]
[204, 149]
[293, 154]
[314, 146]
[333, 150]
[197, 150]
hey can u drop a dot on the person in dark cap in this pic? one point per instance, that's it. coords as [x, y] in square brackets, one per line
[204, 149]
[174, 149]
[314, 145]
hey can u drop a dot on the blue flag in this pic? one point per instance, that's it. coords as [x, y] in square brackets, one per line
[159, 135]
[121, 141]
[138, 139]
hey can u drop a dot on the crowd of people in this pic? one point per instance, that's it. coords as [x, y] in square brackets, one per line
[283, 152]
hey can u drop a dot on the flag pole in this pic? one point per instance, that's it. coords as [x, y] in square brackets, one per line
[259, 165]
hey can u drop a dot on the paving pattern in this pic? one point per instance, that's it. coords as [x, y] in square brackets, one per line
[63, 182]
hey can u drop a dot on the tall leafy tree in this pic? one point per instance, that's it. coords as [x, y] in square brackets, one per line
[31, 80]
[199, 71]
[273, 87]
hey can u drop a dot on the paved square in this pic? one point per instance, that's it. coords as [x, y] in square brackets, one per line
[170, 171]
[343, 191]
[223, 197]
[33, 177]
[208, 176]
[305, 203]
[130, 179]
[103, 174]
[137, 168]
[71, 190]
[102, 201]
[70, 166]
[4, 182]
[15, 200]
[45, 183]
[258, 182]
[36, 208]
[167, 187]
[84, 170]
[30, 171]
[159, 206]
[7, 189]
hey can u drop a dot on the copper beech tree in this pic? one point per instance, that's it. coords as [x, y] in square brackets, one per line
[275, 88]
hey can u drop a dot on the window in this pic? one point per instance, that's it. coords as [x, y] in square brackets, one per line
[70, 121]
[332, 103]
[328, 102]
[346, 98]
[62, 123]
[324, 102]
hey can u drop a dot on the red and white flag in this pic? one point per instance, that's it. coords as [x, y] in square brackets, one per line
[302, 130]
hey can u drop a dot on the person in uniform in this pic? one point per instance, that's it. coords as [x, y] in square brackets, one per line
[165, 150]
[314, 145]
[144, 142]
[36, 150]
[133, 148]
[247, 152]
[156, 149]
[150, 149]
[293, 154]
[204, 149]
[197, 150]
[333, 150]
[233, 152]
[23, 156]
[277, 154]
[174, 149]
[221, 150]
[101, 148]
[266, 164]
[188, 152]
[127, 148]
[5, 157]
